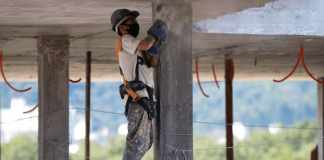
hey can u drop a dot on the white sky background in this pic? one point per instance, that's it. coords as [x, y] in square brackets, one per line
[291, 17]
[12, 129]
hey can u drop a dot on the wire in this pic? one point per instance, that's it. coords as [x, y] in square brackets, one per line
[292, 70]
[228, 124]
[77, 81]
[273, 143]
[98, 111]
[172, 133]
[304, 64]
[58, 111]
[301, 55]
[53, 143]
[6, 79]
[31, 110]
[215, 76]
[178, 134]
[20, 119]
[198, 80]
[253, 145]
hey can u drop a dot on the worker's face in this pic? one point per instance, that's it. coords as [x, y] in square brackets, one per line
[131, 26]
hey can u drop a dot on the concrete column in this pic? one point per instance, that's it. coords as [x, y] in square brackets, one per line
[53, 97]
[173, 84]
[320, 114]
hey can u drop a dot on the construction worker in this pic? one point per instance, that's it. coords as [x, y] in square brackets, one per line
[135, 56]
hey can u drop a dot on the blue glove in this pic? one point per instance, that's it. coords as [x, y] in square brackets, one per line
[155, 50]
[160, 30]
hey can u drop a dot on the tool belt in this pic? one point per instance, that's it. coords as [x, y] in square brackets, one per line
[136, 86]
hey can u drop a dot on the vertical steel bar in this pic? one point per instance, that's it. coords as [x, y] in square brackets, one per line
[229, 109]
[87, 120]
[0, 121]
[320, 116]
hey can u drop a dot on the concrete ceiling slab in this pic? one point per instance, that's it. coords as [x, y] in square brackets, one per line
[276, 56]
[88, 25]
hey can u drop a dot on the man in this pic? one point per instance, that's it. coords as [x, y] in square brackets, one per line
[135, 56]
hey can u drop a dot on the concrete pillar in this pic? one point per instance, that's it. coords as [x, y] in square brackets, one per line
[320, 114]
[173, 84]
[53, 97]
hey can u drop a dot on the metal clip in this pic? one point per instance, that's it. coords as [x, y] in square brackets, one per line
[175, 154]
[136, 99]
[184, 155]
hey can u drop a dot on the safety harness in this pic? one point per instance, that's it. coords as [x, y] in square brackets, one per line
[136, 85]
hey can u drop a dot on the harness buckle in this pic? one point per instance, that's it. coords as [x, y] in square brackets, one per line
[137, 98]
[128, 86]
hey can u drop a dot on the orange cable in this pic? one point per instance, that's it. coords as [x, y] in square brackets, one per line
[198, 79]
[77, 81]
[302, 52]
[255, 62]
[215, 76]
[31, 109]
[6, 79]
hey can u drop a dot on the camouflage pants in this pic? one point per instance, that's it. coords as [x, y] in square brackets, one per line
[140, 132]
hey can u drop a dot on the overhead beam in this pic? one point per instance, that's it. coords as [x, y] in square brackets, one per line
[173, 85]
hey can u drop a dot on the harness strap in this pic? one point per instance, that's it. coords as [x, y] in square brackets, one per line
[119, 48]
[130, 91]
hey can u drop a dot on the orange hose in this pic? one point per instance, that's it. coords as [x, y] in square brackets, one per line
[300, 54]
[77, 81]
[232, 69]
[255, 62]
[304, 64]
[215, 76]
[198, 79]
[6, 79]
[31, 109]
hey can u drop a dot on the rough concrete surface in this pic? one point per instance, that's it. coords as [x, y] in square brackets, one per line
[173, 86]
[53, 98]
[288, 17]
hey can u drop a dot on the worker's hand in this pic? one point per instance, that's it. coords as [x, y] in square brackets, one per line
[160, 30]
[166, 21]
